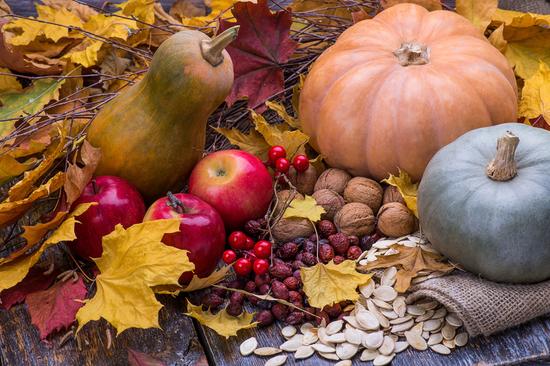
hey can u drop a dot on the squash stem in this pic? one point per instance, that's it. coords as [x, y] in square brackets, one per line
[212, 48]
[503, 167]
[412, 53]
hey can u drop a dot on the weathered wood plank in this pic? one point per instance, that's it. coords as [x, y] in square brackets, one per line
[526, 345]
[27, 7]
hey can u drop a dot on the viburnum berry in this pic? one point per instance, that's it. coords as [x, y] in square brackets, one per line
[262, 249]
[249, 243]
[300, 163]
[260, 266]
[282, 165]
[242, 267]
[276, 152]
[237, 240]
[229, 256]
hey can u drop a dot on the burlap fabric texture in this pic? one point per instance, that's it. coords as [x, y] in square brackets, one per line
[486, 307]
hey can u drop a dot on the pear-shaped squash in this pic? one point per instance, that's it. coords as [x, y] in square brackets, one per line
[487, 211]
[154, 133]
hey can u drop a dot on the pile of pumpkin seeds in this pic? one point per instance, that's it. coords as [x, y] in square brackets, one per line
[380, 325]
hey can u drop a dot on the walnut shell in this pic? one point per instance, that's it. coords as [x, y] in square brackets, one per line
[391, 194]
[334, 179]
[284, 198]
[395, 220]
[305, 181]
[286, 230]
[364, 190]
[355, 219]
[331, 201]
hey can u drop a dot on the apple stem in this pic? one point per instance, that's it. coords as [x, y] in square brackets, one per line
[175, 203]
[94, 186]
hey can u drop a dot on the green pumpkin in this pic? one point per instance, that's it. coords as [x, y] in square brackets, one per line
[489, 210]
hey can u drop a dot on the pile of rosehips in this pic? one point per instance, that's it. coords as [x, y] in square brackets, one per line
[277, 159]
[255, 255]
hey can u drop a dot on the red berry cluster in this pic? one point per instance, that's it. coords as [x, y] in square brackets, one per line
[277, 159]
[255, 255]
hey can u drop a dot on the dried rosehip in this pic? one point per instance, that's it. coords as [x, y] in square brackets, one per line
[279, 311]
[353, 240]
[250, 286]
[295, 317]
[236, 284]
[221, 292]
[338, 259]
[264, 318]
[299, 256]
[326, 253]
[295, 297]
[326, 228]
[309, 259]
[280, 271]
[354, 252]
[253, 228]
[212, 301]
[321, 315]
[368, 240]
[262, 279]
[297, 265]
[292, 283]
[339, 242]
[253, 300]
[237, 297]
[265, 304]
[297, 274]
[343, 315]
[300, 241]
[288, 250]
[278, 261]
[279, 290]
[234, 309]
[310, 247]
[333, 310]
[310, 313]
[263, 289]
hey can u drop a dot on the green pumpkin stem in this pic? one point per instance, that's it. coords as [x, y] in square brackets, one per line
[412, 53]
[212, 48]
[503, 167]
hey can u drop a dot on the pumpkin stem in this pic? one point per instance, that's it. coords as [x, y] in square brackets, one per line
[412, 53]
[503, 167]
[212, 48]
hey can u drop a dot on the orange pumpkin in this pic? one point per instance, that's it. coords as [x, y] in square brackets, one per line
[395, 89]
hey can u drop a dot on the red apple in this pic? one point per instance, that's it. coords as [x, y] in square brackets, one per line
[235, 183]
[201, 230]
[118, 203]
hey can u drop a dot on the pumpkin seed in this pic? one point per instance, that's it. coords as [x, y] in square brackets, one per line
[329, 356]
[453, 319]
[382, 360]
[388, 277]
[248, 346]
[400, 347]
[449, 343]
[276, 361]
[416, 341]
[336, 338]
[439, 348]
[401, 327]
[348, 308]
[387, 347]
[409, 243]
[322, 335]
[390, 314]
[448, 331]
[430, 305]
[306, 327]
[369, 355]
[439, 313]
[435, 339]
[267, 351]
[310, 337]
[346, 350]
[373, 340]
[291, 345]
[391, 251]
[367, 320]
[334, 327]
[401, 320]
[288, 331]
[399, 306]
[461, 339]
[426, 335]
[418, 328]
[304, 352]
[382, 304]
[353, 336]
[419, 279]
[384, 322]
[427, 315]
[384, 244]
[320, 347]
[343, 363]
[367, 289]
[432, 324]
[416, 310]
[352, 321]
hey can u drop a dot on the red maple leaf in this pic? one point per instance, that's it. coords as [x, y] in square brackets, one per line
[55, 308]
[136, 358]
[36, 280]
[261, 48]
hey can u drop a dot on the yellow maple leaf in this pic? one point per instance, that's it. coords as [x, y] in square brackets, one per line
[294, 142]
[306, 208]
[497, 39]
[281, 111]
[479, 12]
[251, 142]
[326, 284]
[133, 261]
[15, 271]
[197, 283]
[11, 168]
[140, 9]
[406, 187]
[27, 30]
[222, 323]
[194, 14]
[535, 95]
[77, 177]
[8, 81]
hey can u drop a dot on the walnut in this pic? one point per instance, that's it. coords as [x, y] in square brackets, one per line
[395, 220]
[331, 201]
[391, 194]
[284, 198]
[334, 179]
[288, 229]
[305, 181]
[364, 190]
[355, 219]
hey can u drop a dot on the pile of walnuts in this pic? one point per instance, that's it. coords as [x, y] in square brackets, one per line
[357, 206]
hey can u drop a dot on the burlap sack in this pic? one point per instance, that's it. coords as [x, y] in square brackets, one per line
[486, 307]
